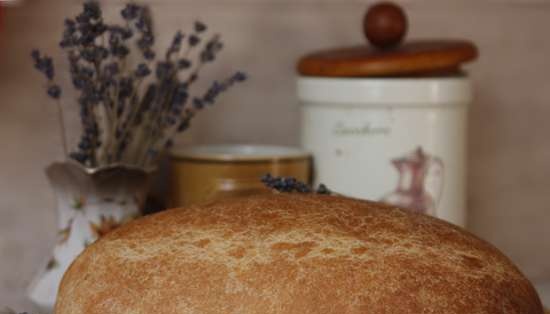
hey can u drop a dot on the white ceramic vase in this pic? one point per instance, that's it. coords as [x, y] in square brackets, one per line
[90, 203]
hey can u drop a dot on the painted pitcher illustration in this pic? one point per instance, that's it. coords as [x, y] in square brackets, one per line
[420, 182]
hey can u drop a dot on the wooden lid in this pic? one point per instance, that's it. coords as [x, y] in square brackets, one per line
[385, 26]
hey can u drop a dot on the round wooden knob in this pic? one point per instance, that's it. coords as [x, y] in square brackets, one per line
[385, 25]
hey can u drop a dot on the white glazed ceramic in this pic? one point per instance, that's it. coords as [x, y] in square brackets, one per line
[397, 140]
[90, 203]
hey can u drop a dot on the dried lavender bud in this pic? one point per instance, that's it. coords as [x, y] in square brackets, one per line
[94, 96]
[65, 42]
[98, 29]
[184, 125]
[322, 189]
[43, 64]
[115, 36]
[176, 45]
[149, 54]
[92, 130]
[214, 44]
[193, 40]
[86, 72]
[47, 67]
[120, 51]
[126, 87]
[79, 83]
[170, 120]
[207, 56]
[199, 27]
[211, 94]
[193, 78]
[145, 42]
[178, 37]
[142, 70]
[211, 49]
[82, 19]
[70, 24]
[198, 103]
[54, 91]
[289, 185]
[217, 88]
[69, 39]
[35, 54]
[102, 53]
[89, 55]
[303, 188]
[84, 144]
[116, 31]
[149, 96]
[180, 96]
[92, 10]
[184, 64]
[163, 69]
[94, 54]
[143, 25]
[130, 12]
[240, 77]
[127, 33]
[111, 69]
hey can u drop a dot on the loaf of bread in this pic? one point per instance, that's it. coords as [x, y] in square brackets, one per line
[293, 254]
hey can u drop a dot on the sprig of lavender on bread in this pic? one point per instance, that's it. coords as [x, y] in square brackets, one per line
[132, 101]
[292, 185]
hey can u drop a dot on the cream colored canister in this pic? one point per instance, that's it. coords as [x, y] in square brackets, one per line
[400, 141]
[388, 121]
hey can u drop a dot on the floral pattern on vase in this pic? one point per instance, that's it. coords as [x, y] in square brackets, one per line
[90, 203]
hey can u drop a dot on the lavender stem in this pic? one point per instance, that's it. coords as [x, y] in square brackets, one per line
[62, 129]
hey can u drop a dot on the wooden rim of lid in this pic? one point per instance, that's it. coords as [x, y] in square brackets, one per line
[385, 26]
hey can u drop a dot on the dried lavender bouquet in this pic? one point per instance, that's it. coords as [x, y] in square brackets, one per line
[132, 102]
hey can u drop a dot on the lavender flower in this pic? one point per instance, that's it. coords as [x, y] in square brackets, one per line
[184, 64]
[149, 54]
[130, 12]
[289, 185]
[144, 25]
[92, 10]
[175, 47]
[164, 69]
[142, 70]
[43, 64]
[194, 40]
[212, 48]
[54, 91]
[123, 121]
[200, 27]
[217, 88]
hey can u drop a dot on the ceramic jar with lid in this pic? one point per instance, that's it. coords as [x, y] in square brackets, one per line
[388, 121]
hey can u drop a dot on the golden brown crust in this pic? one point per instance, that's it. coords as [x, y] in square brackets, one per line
[293, 254]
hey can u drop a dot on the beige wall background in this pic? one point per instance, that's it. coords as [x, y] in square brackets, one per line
[509, 171]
